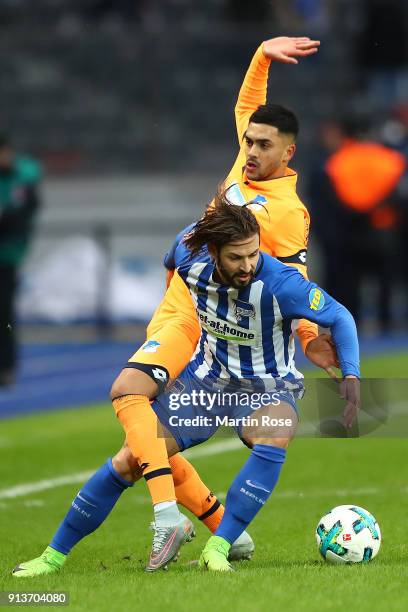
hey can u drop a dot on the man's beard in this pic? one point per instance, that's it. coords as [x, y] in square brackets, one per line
[233, 280]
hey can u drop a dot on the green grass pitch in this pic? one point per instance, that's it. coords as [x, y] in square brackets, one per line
[105, 572]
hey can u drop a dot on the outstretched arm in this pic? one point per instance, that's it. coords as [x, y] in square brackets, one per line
[299, 298]
[284, 49]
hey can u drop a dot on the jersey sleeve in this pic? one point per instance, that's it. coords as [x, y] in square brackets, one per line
[253, 91]
[170, 260]
[301, 299]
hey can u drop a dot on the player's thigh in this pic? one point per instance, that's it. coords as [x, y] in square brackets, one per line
[160, 359]
[157, 361]
[181, 412]
[272, 425]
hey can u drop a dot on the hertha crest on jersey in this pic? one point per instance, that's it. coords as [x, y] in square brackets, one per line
[243, 310]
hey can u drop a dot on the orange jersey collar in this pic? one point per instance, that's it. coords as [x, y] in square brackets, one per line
[288, 181]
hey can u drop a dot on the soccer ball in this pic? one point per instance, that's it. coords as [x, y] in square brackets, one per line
[348, 534]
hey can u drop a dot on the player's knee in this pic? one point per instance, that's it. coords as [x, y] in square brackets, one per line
[133, 382]
[126, 465]
[280, 442]
[119, 387]
[116, 388]
[268, 441]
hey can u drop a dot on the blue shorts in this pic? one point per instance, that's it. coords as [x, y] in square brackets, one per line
[192, 411]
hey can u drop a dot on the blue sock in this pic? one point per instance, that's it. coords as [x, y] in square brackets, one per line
[90, 507]
[250, 490]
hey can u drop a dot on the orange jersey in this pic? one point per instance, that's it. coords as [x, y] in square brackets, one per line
[284, 220]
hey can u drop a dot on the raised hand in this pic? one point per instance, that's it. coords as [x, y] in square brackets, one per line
[286, 49]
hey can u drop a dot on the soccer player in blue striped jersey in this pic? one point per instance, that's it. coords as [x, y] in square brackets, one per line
[247, 304]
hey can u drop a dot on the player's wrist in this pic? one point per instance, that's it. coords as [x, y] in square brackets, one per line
[262, 54]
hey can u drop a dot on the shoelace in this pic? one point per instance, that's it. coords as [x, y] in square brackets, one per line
[160, 535]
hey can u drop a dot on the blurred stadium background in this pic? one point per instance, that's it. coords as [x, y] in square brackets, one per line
[128, 105]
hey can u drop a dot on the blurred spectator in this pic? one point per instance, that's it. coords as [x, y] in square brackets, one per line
[356, 212]
[383, 51]
[19, 201]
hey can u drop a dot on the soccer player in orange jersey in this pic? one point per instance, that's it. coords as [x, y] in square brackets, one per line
[260, 174]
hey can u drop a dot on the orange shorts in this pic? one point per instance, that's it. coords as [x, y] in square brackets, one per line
[173, 332]
[169, 348]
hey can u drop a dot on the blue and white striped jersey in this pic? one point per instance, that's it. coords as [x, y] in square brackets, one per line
[247, 333]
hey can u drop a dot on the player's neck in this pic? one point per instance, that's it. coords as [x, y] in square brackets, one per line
[279, 173]
[217, 277]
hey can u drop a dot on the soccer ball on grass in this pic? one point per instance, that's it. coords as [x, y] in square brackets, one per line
[348, 534]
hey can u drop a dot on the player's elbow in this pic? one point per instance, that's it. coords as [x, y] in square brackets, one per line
[242, 113]
[345, 316]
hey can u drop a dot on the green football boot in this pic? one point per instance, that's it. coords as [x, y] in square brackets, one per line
[49, 562]
[215, 555]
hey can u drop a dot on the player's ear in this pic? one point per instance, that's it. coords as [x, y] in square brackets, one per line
[289, 153]
[212, 251]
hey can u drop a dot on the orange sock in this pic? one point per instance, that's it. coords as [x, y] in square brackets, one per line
[142, 429]
[193, 494]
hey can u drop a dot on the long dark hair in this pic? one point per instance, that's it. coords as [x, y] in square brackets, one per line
[224, 222]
